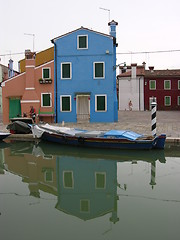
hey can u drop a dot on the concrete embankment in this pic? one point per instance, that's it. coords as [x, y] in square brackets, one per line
[168, 122]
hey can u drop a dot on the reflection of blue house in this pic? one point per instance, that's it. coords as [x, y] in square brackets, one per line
[87, 188]
[85, 76]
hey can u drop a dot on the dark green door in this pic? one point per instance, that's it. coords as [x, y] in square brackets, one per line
[14, 107]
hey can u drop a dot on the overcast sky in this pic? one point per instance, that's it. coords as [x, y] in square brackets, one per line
[143, 26]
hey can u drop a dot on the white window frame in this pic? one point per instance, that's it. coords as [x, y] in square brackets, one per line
[103, 173]
[178, 100]
[94, 63]
[165, 101]
[61, 96]
[70, 70]
[99, 95]
[50, 99]
[49, 72]
[78, 41]
[150, 84]
[178, 84]
[68, 171]
[165, 84]
[45, 178]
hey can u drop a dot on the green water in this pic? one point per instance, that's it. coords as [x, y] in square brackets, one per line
[54, 192]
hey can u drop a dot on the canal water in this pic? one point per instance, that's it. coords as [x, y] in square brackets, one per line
[48, 191]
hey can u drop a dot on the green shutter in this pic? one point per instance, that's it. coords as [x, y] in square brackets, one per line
[167, 101]
[46, 100]
[65, 103]
[99, 71]
[84, 206]
[100, 180]
[66, 72]
[82, 42]
[68, 179]
[101, 103]
[167, 84]
[152, 85]
[46, 73]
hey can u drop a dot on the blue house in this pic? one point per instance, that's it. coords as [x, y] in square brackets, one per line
[85, 76]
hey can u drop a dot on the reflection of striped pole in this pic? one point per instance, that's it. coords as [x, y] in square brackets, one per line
[153, 174]
[153, 118]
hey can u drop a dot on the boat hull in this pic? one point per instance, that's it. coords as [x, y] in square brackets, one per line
[4, 135]
[156, 143]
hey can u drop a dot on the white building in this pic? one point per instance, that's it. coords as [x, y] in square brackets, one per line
[131, 87]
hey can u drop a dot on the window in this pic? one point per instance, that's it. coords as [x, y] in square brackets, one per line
[167, 101]
[82, 42]
[46, 100]
[179, 84]
[84, 205]
[66, 70]
[99, 70]
[152, 84]
[100, 180]
[48, 175]
[100, 103]
[46, 73]
[178, 99]
[68, 180]
[167, 84]
[65, 103]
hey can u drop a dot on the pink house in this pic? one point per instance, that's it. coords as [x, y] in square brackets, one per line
[33, 87]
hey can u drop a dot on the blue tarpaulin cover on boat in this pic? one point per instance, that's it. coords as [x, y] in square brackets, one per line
[122, 134]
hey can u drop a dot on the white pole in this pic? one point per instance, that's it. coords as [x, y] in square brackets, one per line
[153, 117]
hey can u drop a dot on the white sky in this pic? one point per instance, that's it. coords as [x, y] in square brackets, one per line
[143, 26]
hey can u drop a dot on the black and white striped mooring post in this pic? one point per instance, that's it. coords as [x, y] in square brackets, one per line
[153, 117]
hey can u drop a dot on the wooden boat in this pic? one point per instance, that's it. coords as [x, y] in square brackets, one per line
[118, 139]
[4, 135]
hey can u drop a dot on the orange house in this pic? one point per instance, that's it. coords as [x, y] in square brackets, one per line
[34, 86]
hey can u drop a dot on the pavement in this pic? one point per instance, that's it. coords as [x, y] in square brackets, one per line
[167, 122]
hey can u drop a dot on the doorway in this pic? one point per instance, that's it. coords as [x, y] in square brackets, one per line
[83, 108]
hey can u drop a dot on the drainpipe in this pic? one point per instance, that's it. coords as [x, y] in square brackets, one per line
[55, 77]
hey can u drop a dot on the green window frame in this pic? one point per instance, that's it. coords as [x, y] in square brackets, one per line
[100, 180]
[66, 70]
[82, 42]
[68, 179]
[46, 73]
[85, 205]
[167, 100]
[99, 70]
[65, 103]
[152, 84]
[46, 100]
[100, 103]
[167, 84]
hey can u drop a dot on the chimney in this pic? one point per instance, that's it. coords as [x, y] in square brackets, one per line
[133, 70]
[151, 69]
[10, 69]
[144, 65]
[113, 25]
[30, 66]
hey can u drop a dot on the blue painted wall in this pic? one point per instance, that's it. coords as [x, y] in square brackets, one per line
[101, 48]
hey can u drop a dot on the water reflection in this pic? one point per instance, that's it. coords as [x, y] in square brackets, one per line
[84, 180]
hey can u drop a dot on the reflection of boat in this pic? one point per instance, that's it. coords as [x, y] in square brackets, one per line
[46, 148]
[4, 135]
[113, 139]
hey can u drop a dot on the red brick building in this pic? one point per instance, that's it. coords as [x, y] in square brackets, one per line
[164, 85]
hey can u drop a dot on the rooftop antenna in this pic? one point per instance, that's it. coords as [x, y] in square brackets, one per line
[33, 35]
[105, 9]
